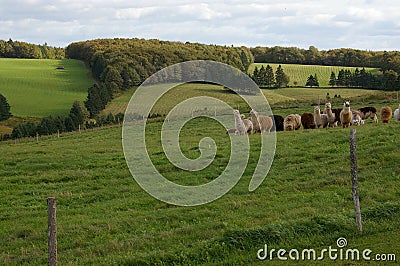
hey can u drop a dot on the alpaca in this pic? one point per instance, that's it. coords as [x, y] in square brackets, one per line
[386, 114]
[292, 122]
[239, 125]
[356, 119]
[321, 120]
[336, 112]
[231, 131]
[397, 114]
[346, 115]
[277, 123]
[331, 116]
[307, 120]
[369, 111]
[248, 124]
[261, 123]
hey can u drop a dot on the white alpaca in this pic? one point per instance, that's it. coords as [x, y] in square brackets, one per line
[321, 120]
[261, 123]
[356, 118]
[239, 124]
[248, 124]
[397, 114]
[331, 116]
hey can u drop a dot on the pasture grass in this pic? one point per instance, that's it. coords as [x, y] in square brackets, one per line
[35, 88]
[298, 74]
[105, 218]
[283, 98]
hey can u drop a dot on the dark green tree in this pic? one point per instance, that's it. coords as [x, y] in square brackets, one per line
[4, 108]
[281, 79]
[79, 114]
[269, 77]
[332, 79]
[312, 81]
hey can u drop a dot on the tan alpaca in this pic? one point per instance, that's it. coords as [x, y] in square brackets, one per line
[346, 115]
[248, 124]
[292, 122]
[330, 115]
[386, 114]
[321, 120]
[261, 123]
[356, 119]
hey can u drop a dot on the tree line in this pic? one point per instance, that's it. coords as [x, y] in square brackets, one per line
[265, 77]
[78, 118]
[336, 57]
[388, 80]
[17, 49]
[119, 64]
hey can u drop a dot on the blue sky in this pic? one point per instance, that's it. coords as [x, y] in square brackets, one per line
[360, 24]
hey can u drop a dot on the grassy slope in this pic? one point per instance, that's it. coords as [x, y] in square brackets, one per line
[105, 218]
[275, 97]
[35, 88]
[298, 73]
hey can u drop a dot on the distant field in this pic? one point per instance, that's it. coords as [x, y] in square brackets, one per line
[274, 96]
[298, 73]
[35, 88]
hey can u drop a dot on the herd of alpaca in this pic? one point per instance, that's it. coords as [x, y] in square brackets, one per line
[327, 118]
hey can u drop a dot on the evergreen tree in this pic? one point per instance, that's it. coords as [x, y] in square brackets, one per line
[340, 78]
[332, 79]
[281, 79]
[79, 114]
[4, 108]
[269, 78]
[262, 76]
[312, 81]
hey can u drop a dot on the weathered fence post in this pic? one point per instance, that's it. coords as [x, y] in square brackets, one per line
[52, 231]
[354, 177]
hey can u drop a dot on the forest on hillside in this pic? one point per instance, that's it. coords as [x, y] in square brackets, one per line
[17, 49]
[119, 64]
[345, 57]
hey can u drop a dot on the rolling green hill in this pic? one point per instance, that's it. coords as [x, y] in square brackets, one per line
[298, 73]
[35, 88]
[275, 97]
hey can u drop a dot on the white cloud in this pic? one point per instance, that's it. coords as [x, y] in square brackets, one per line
[363, 24]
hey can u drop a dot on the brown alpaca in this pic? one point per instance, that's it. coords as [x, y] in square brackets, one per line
[346, 115]
[231, 131]
[292, 122]
[278, 123]
[386, 114]
[307, 120]
[261, 123]
[247, 124]
[369, 111]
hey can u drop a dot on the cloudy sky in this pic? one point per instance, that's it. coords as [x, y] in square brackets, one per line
[361, 24]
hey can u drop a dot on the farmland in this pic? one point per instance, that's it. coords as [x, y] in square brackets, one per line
[298, 73]
[105, 218]
[36, 88]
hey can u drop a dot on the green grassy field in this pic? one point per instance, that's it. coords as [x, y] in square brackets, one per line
[298, 73]
[35, 88]
[105, 218]
[276, 97]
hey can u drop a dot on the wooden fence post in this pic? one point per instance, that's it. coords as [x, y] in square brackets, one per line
[52, 231]
[354, 177]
